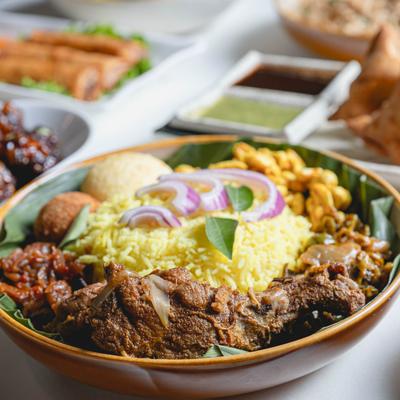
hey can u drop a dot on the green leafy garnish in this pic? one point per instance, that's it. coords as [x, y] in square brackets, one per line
[217, 350]
[19, 220]
[241, 197]
[381, 227]
[8, 305]
[77, 227]
[140, 68]
[221, 233]
[201, 155]
[107, 30]
[48, 86]
[136, 70]
[394, 271]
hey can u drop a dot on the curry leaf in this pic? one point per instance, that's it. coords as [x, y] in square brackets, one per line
[241, 198]
[221, 233]
[201, 155]
[395, 270]
[381, 227]
[77, 227]
[217, 350]
[9, 306]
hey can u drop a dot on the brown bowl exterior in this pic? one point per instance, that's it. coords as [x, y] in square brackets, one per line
[327, 44]
[200, 378]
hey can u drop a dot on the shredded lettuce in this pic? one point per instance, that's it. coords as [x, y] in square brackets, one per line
[108, 30]
[48, 86]
[140, 68]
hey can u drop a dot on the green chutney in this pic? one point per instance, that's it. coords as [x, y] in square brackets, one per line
[252, 112]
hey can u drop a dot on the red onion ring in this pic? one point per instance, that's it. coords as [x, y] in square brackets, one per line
[214, 199]
[274, 204]
[186, 199]
[158, 215]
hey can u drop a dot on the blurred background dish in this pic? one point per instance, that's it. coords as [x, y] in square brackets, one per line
[70, 127]
[335, 29]
[164, 51]
[34, 138]
[155, 15]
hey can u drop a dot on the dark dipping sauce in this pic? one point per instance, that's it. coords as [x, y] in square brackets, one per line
[298, 80]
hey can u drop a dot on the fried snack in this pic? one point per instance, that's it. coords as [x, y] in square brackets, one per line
[83, 82]
[110, 68]
[123, 174]
[380, 72]
[57, 215]
[129, 50]
[382, 130]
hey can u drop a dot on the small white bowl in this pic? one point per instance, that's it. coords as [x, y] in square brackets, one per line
[70, 127]
[170, 16]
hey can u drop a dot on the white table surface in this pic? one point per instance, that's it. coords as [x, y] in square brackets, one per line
[370, 371]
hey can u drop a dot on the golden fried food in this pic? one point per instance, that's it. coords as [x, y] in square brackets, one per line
[379, 75]
[57, 215]
[82, 81]
[382, 130]
[110, 68]
[129, 50]
[123, 174]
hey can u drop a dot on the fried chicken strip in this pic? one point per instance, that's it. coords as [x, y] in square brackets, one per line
[125, 321]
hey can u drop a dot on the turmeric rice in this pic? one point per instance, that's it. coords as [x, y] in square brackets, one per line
[261, 251]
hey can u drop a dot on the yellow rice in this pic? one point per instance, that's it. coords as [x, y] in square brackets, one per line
[261, 250]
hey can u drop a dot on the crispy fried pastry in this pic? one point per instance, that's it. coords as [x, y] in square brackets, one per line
[380, 72]
[111, 68]
[382, 129]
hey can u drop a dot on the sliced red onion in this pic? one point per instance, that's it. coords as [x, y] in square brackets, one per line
[149, 215]
[274, 204]
[159, 297]
[186, 199]
[214, 199]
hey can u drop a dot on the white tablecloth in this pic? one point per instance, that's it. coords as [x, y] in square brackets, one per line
[370, 371]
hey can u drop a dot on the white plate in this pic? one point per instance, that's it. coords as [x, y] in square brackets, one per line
[165, 51]
[156, 15]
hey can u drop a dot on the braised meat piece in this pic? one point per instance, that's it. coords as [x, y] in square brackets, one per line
[173, 316]
[367, 258]
[39, 277]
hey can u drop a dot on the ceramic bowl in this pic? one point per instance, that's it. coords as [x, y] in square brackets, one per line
[71, 128]
[201, 378]
[327, 44]
[172, 16]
